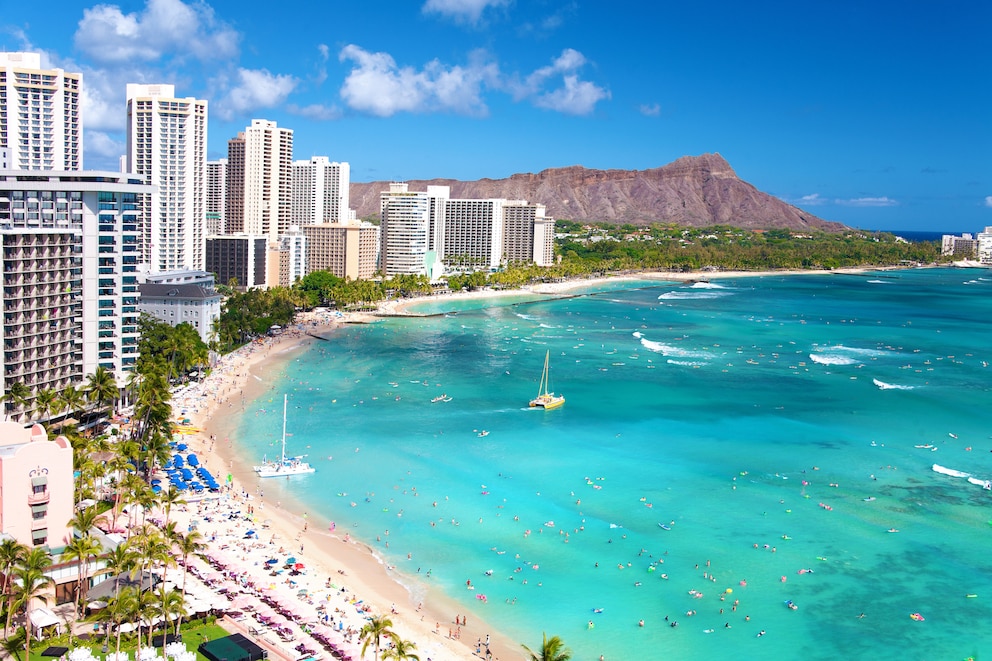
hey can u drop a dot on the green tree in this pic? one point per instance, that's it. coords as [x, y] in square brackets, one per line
[12, 553]
[71, 400]
[46, 403]
[32, 584]
[377, 628]
[552, 649]
[191, 543]
[101, 388]
[402, 650]
[82, 550]
[16, 397]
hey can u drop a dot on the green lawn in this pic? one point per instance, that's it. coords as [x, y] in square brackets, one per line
[193, 635]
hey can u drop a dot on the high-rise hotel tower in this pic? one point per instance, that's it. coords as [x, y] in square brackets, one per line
[167, 142]
[41, 127]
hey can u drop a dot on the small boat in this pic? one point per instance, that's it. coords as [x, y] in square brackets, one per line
[545, 398]
[440, 398]
[286, 465]
[791, 605]
[664, 527]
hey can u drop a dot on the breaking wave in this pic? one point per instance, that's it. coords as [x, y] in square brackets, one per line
[882, 385]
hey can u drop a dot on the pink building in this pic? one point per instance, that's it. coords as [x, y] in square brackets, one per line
[36, 486]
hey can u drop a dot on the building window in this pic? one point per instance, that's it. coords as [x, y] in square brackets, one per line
[39, 537]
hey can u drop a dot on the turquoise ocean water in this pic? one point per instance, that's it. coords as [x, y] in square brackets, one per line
[774, 426]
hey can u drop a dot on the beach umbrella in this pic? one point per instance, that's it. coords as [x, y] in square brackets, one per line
[192, 460]
[291, 560]
[271, 561]
[299, 566]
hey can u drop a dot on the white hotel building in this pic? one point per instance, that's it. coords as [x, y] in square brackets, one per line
[167, 143]
[40, 122]
[70, 253]
[425, 232]
[320, 191]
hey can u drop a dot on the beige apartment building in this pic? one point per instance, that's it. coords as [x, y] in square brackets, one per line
[347, 250]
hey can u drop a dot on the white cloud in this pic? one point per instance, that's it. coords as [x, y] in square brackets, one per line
[868, 202]
[462, 11]
[811, 200]
[101, 146]
[254, 89]
[650, 110]
[577, 97]
[988, 200]
[165, 28]
[377, 85]
[316, 111]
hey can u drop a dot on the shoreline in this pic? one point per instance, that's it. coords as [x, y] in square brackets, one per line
[420, 613]
[399, 307]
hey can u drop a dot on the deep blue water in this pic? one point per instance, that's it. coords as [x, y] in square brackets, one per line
[771, 424]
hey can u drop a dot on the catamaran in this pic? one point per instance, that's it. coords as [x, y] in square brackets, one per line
[545, 398]
[286, 465]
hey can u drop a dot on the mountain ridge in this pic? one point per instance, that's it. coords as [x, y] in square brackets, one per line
[693, 191]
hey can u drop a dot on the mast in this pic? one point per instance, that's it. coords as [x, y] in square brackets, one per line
[543, 388]
[285, 399]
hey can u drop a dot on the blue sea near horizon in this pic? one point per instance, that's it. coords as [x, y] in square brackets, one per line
[778, 427]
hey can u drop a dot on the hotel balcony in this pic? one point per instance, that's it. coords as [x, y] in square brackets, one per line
[39, 498]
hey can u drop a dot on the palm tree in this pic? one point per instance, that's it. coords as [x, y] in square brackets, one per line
[120, 609]
[72, 400]
[17, 396]
[12, 553]
[46, 403]
[378, 627]
[402, 650]
[33, 584]
[167, 499]
[85, 519]
[120, 560]
[553, 649]
[189, 544]
[146, 609]
[81, 550]
[101, 387]
[172, 606]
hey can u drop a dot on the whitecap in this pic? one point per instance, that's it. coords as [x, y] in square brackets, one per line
[638, 334]
[882, 385]
[670, 350]
[691, 295]
[828, 359]
[707, 285]
[878, 282]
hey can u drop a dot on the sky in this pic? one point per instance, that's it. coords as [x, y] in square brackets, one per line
[876, 114]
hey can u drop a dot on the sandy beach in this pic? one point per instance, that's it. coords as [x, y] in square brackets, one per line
[330, 557]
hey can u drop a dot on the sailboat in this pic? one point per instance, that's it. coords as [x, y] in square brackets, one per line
[545, 398]
[286, 465]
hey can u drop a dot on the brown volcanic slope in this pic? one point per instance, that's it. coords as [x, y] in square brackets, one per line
[694, 191]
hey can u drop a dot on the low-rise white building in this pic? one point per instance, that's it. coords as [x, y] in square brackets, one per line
[178, 297]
